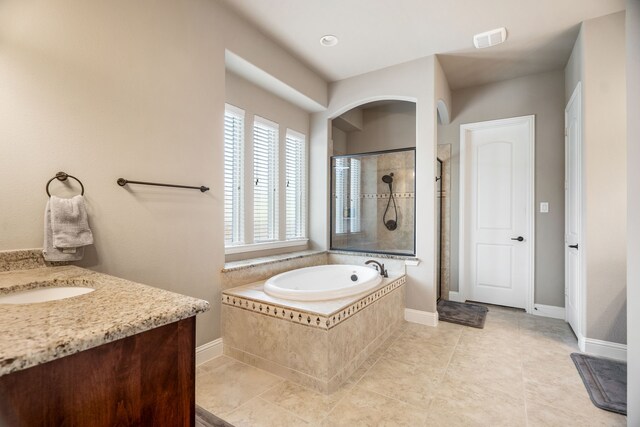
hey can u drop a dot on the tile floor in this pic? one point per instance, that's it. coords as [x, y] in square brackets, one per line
[514, 372]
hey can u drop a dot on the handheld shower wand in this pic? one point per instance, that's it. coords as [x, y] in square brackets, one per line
[391, 224]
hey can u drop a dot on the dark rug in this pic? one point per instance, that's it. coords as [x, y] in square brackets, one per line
[462, 313]
[605, 380]
[205, 418]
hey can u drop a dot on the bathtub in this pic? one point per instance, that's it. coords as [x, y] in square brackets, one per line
[323, 282]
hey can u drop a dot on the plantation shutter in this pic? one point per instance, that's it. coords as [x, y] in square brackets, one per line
[265, 176]
[233, 175]
[295, 185]
[355, 191]
[341, 170]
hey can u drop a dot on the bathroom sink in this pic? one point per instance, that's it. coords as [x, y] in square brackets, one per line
[44, 295]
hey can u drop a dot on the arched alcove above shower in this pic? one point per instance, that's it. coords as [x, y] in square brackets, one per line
[375, 126]
[373, 178]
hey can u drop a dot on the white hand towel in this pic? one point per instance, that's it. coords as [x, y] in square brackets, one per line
[69, 222]
[52, 253]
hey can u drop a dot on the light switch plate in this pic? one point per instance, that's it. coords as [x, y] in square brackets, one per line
[544, 207]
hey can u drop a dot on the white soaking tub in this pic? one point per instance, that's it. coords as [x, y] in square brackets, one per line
[323, 282]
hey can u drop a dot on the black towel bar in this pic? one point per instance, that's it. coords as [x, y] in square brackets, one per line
[122, 182]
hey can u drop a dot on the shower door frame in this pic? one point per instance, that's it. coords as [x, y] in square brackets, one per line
[331, 202]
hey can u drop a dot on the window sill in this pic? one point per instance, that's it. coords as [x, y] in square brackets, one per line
[262, 261]
[254, 247]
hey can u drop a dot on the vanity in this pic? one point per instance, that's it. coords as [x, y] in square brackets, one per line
[109, 352]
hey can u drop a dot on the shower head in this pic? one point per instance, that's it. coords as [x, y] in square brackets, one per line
[388, 179]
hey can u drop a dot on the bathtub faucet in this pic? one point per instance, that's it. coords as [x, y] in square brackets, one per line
[379, 267]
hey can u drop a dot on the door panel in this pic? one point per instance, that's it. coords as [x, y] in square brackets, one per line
[573, 210]
[494, 185]
[498, 199]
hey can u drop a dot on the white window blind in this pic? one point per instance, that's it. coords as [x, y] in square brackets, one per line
[341, 173]
[355, 201]
[295, 185]
[233, 175]
[265, 176]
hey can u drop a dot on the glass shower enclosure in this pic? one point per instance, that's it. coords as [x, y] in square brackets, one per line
[373, 202]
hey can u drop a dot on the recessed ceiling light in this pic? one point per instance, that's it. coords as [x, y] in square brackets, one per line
[328, 40]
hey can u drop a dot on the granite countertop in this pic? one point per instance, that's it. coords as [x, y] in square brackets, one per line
[31, 334]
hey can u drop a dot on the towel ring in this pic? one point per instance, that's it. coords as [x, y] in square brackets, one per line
[62, 176]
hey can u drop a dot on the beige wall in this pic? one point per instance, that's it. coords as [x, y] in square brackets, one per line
[633, 210]
[543, 96]
[385, 127]
[339, 140]
[108, 89]
[256, 101]
[605, 180]
[412, 81]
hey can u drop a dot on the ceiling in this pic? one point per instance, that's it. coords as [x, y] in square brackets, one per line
[380, 33]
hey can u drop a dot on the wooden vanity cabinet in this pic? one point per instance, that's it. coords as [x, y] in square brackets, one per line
[146, 379]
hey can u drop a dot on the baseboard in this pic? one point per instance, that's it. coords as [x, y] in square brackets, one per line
[208, 351]
[549, 311]
[455, 296]
[608, 349]
[421, 317]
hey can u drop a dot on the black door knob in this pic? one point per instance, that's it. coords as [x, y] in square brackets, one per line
[519, 238]
[574, 246]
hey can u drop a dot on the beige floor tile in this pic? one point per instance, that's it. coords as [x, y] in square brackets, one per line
[515, 370]
[410, 350]
[573, 398]
[366, 408]
[445, 334]
[225, 388]
[498, 377]
[215, 363]
[307, 404]
[539, 415]
[461, 403]
[552, 372]
[260, 413]
[413, 384]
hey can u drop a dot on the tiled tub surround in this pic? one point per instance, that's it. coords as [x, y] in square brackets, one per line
[238, 273]
[316, 344]
[37, 333]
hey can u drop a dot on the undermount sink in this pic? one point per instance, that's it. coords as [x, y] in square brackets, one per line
[44, 295]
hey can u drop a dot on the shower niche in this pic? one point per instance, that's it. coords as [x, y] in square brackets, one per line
[373, 202]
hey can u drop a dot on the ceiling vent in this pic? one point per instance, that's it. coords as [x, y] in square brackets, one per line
[490, 38]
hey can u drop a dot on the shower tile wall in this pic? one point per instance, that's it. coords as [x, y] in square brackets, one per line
[444, 154]
[402, 166]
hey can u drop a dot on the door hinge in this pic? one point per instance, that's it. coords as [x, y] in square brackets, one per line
[565, 132]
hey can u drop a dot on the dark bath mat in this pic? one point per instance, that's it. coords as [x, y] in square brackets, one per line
[605, 380]
[205, 418]
[462, 313]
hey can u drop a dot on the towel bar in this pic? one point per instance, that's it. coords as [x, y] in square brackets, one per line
[122, 182]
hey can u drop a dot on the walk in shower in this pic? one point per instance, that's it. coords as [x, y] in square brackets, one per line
[373, 202]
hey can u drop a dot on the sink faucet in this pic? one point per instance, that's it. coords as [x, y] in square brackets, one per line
[379, 267]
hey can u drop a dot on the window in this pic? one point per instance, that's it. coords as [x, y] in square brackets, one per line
[233, 175]
[295, 185]
[265, 176]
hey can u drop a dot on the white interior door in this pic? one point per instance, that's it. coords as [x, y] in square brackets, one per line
[573, 208]
[497, 207]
